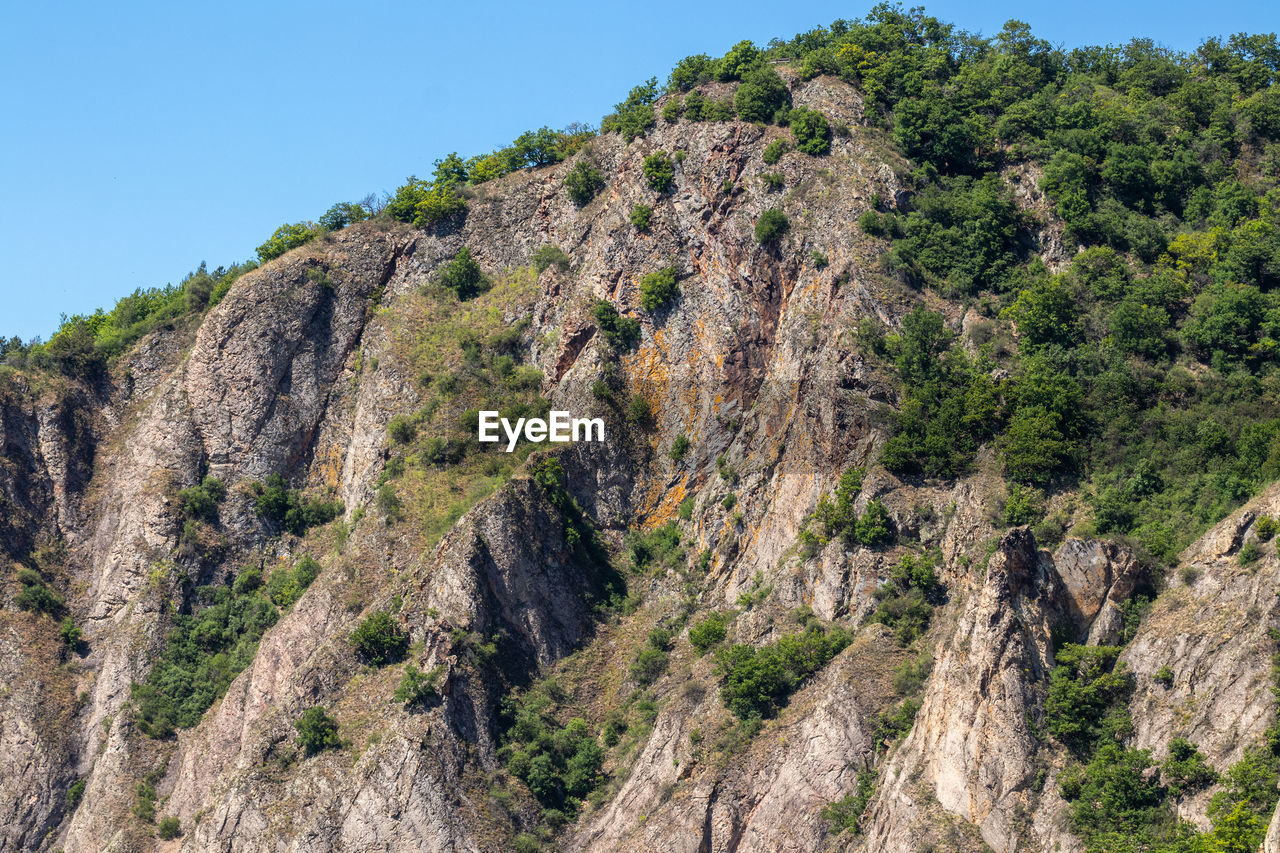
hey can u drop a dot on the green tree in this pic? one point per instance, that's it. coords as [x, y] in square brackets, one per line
[463, 276]
[658, 288]
[583, 182]
[659, 172]
[812, 131]
[761, 95]
[287, 237]
[771, 226]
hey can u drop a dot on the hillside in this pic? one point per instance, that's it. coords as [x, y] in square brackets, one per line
[935, 511]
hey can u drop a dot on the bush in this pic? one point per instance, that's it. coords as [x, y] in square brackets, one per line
[201, 502]
[288, 509]
[740, 59]
[75, 792]
[773, 180]
[583, 182]
[672, 110]
[287, 237]
[640, 214]
[317, 731]
[379, 640]
[70, 633]
[1185, 770]
[657, 549]
[424, 204]
[638, 411]
[550, 256]
[1024, 505]
[36, 595]
[812, 132]
[905, 602]
[757, 681]
[342, 214]
[1266, 528]
[401, 429]
[650, 663]
[169, 828]
[286, 586]
[203, 653]
[761, 94]
[707, 632]
[1086, 682]
[621, 332]
[659, 173]
[679, 447]
[771, 225]
[463, 276]
[774, 150]
[417, 687]
[1163, 677]
[658, 288]
[691, 71]
[1249, 552]
[845, 814]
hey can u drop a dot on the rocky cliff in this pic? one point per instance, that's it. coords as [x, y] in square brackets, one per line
[757, 363]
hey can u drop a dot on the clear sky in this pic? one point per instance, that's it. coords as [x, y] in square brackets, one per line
[139, 139]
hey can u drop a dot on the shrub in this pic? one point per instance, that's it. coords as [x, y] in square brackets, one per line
[872, 224]
[1085, 683]
[774, 150]
[773, 180]
[1185, 770]
[707, 632]
[679, 447]
[317, 731]
[401, 429]
[201, 502]
[761, 94]
[36, 595]
[75, 792]
[672, 110]
[905, 602]
[740, 59]
[1163, 677]
[1266, 528]
[583, 182]
[378, 640]
[286, 586]
[771, 225]
[656, 549]
[1025, 505]
[757, 681]
[658, 288]
[1249, 552]
[621, 332]
[651, 661]
[845, 814]
[691, 71]
[203, 653]
[638, 411]
[640, 214]
[812, 132]
[70, 633]
[287, 237]
[289, 509]
[550, 256]
[417, 687]
[463, 275]
[659, 173]
[686, 508]
[169, 828]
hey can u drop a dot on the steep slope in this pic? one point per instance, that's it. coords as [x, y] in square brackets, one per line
[347, 367]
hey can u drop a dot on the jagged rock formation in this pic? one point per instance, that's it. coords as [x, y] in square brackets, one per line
[755, 363]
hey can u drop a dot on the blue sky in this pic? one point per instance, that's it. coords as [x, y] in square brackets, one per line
[142, 138]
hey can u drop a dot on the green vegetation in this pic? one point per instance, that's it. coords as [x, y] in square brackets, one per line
[905, 602]
[36, 595]
[417, 687]
[812, 131]
[201, 502]
[204, 651]
[463, 276]
[560, 763]
[169, 828]
[771, 226]
[761, 96]
[621, 332]
[1086, 688]
[774, 150]
[758, 681]
[317, 731]
[288, 509]
[287, 237]
[285, 586]
[845, 814]
[550, 256]
[659, 172]
[634, 116]
[75, 792]
[708, 631]
[658, 288]
[679, 447]
[773, 180]
[656, 550]
[640, 216]
[378, 640]
[837, 519]
[651, 661]
[584, 182]
[425, 204]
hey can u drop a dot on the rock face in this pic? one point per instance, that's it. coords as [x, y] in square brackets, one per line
[299, 371]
